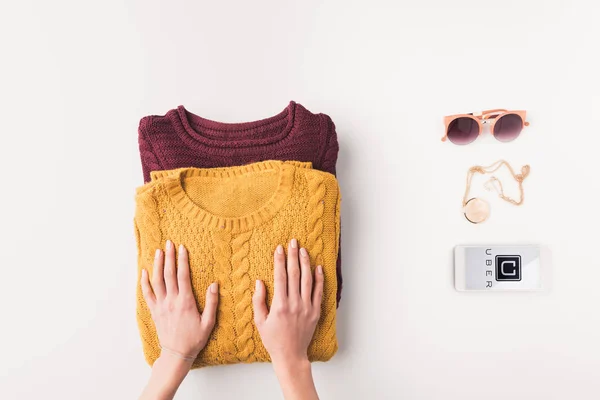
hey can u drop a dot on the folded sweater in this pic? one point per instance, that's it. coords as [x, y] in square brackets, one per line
[180, 139]
[231, 220]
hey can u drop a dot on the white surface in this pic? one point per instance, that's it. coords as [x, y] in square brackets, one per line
[75, 77]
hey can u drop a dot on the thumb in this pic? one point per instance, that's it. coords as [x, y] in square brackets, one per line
[258, 301]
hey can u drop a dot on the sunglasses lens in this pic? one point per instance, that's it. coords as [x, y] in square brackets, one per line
[508, 127]
[463, 130]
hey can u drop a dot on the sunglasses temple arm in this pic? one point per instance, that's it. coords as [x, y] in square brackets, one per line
[486, 113]
[494, 111]
[490, 114]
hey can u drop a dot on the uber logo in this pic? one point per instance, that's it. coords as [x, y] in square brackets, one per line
[508, 268]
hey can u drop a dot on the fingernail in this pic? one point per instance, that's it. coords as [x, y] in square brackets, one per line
[214, 287]
[294, 243]
[144, 273]
[257, 285]
[157, 253]
[280, 249]
[303, 252]
[320, 270]
[181, 248]
[169, 245]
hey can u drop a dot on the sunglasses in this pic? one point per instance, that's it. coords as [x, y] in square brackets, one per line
[505, 125]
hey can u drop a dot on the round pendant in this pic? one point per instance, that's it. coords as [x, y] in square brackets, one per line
[476, 210]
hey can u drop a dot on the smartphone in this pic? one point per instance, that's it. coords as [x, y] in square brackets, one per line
[498, 268]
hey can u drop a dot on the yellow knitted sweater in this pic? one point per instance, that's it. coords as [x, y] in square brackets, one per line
[231, 220]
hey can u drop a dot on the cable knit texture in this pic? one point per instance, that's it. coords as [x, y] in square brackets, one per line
[180, 139]
[231, 220]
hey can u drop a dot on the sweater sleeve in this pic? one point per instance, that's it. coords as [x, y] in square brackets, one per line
[148, 156]
[338, 230]
[148, 233]
[330, 153]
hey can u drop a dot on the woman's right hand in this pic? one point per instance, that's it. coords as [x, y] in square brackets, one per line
[286, 331]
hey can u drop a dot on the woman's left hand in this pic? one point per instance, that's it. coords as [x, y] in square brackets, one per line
[182, 330]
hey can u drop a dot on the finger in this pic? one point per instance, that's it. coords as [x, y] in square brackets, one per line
[305, 277]
[293, 271]
[158, 280]
[258, 302]
[280, 274]
[183, 271]
[209, 315]
[170, 279]
[317, 298]
[147, 290]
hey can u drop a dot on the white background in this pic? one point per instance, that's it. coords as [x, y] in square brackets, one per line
[76, 77]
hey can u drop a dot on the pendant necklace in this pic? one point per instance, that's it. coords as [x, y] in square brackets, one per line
[477, 210]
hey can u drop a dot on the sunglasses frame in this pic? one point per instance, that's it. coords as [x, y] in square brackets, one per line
[487, 117]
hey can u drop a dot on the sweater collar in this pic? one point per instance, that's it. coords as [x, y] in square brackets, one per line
[202, 131]
[285, 180]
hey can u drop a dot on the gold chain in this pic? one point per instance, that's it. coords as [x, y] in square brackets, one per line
[491, 169]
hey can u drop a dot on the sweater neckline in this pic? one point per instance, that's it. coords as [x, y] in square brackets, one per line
[174, 187]
[236, 134]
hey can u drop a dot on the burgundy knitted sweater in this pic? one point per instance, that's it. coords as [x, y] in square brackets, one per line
[180, 139]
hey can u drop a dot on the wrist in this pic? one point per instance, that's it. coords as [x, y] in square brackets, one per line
[171, 362]
[291, 367]
[295, 379]
[168, 372]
